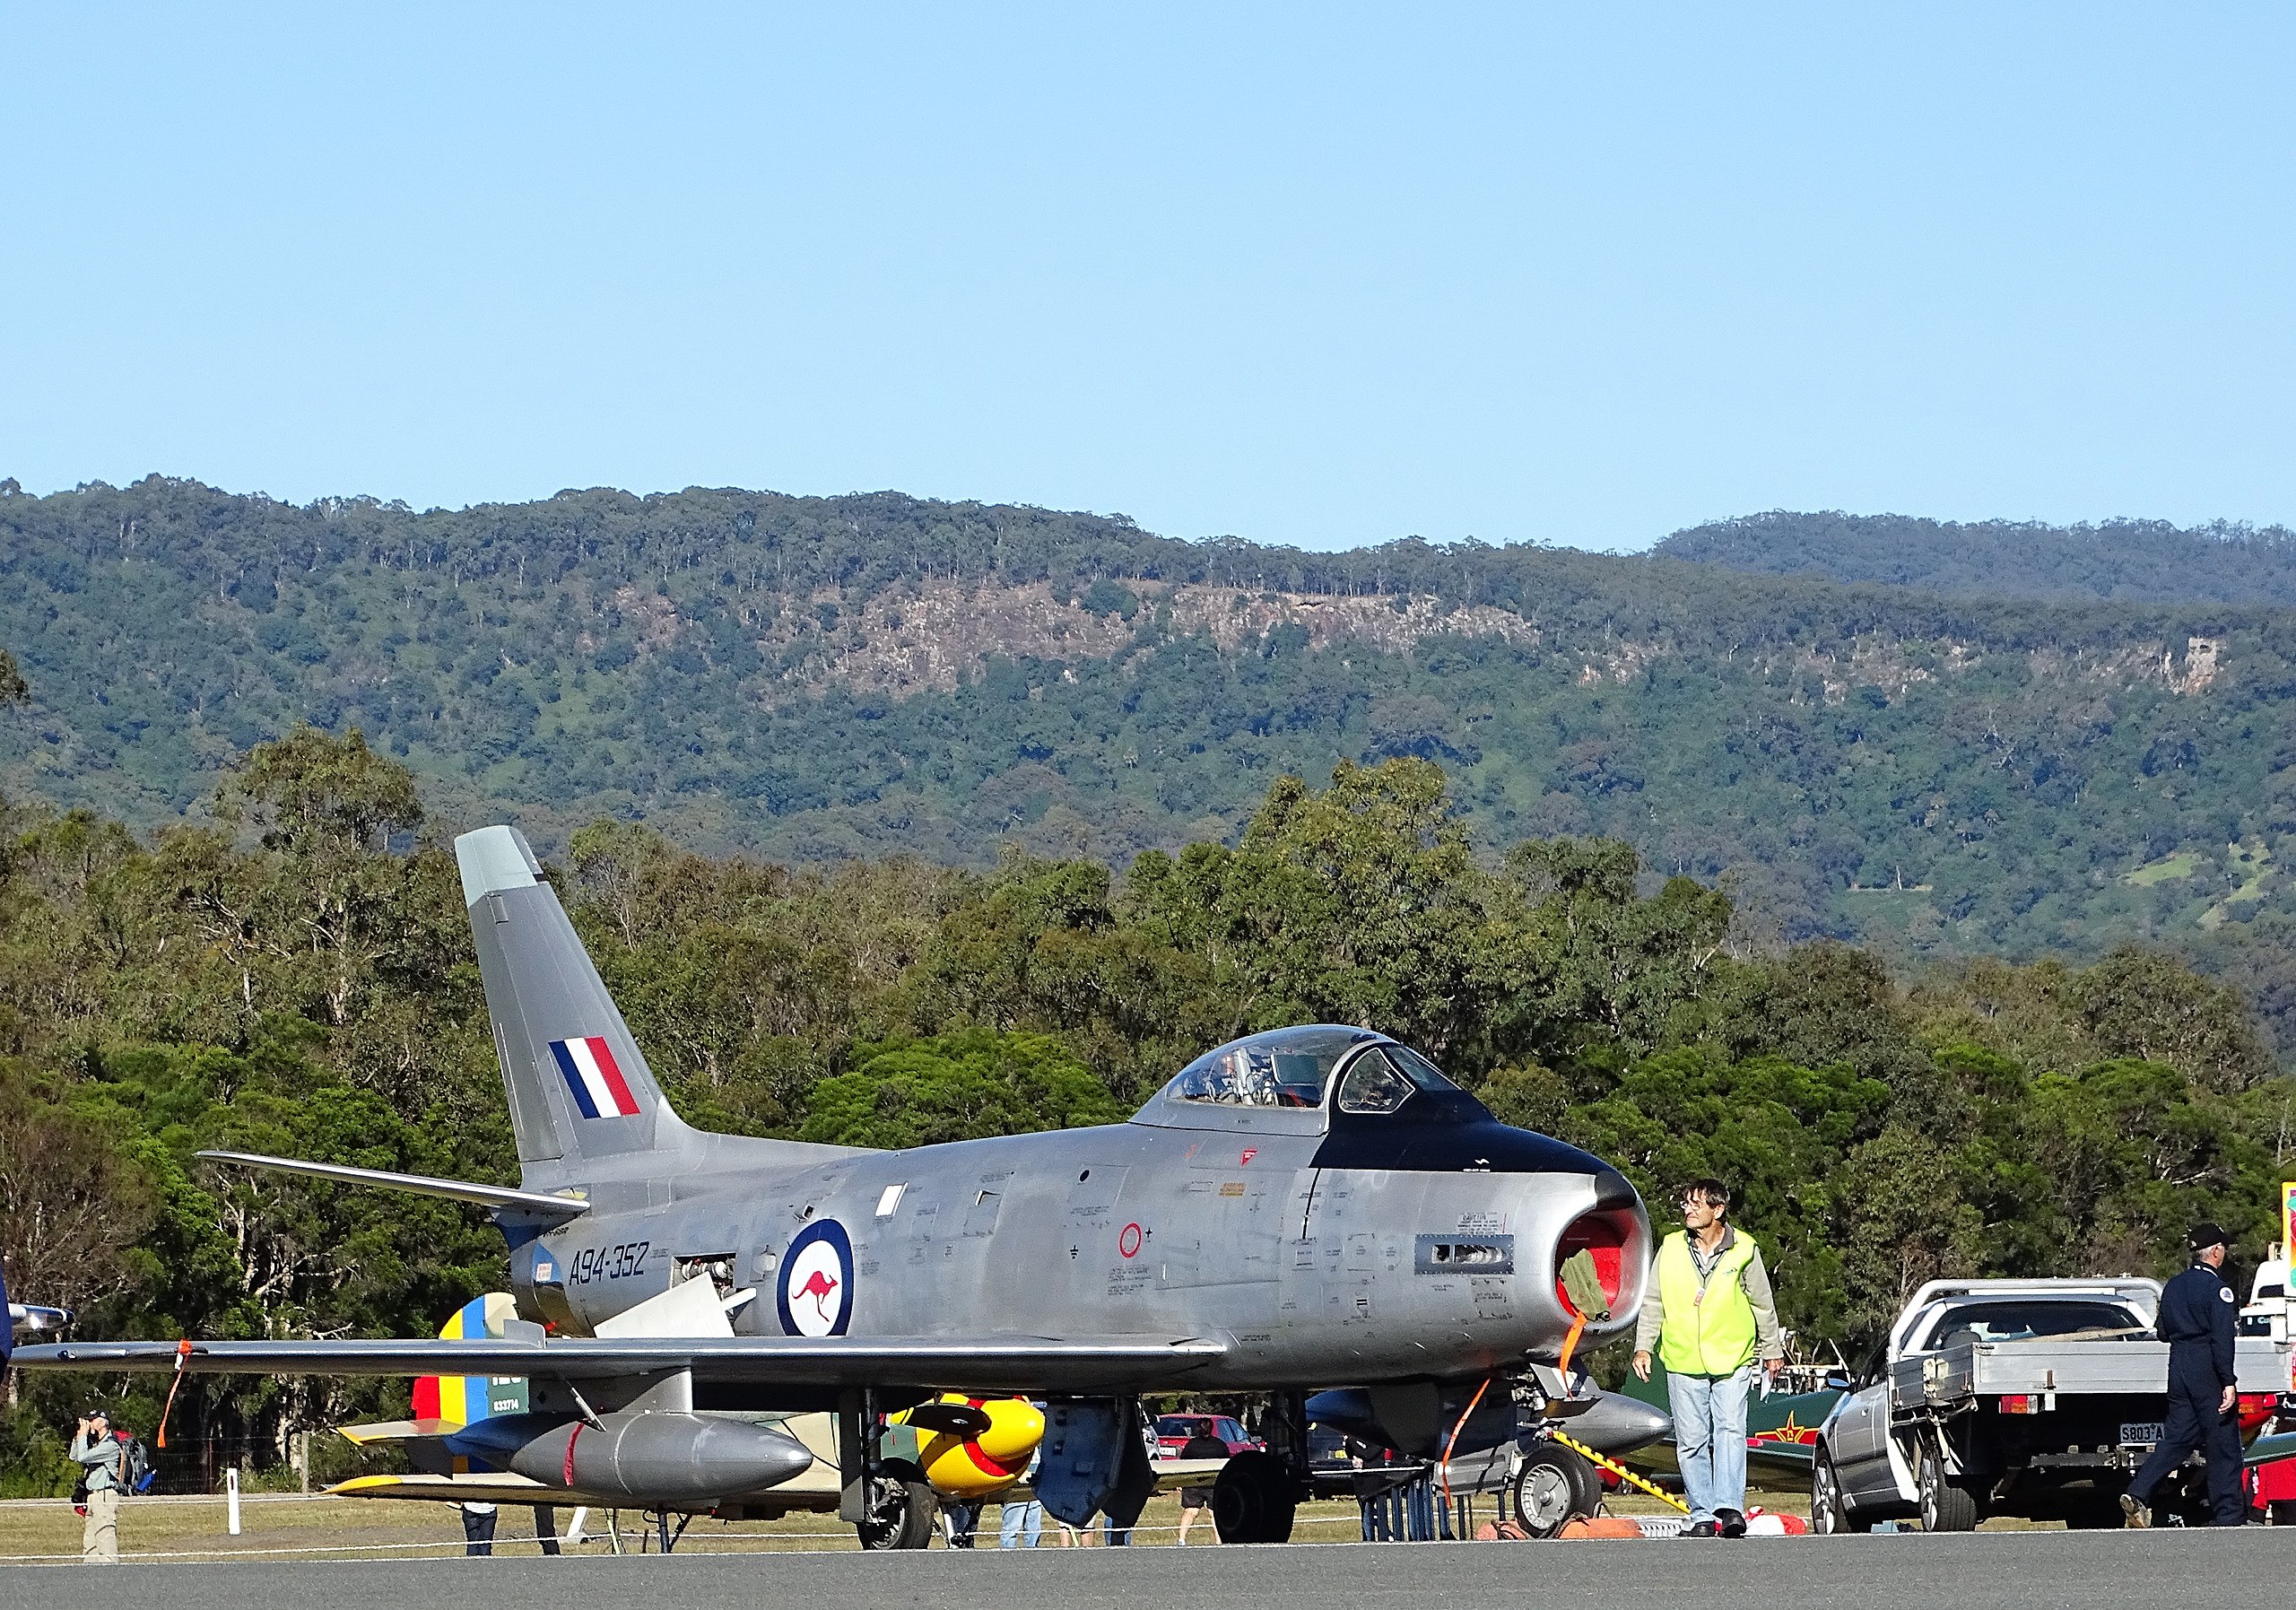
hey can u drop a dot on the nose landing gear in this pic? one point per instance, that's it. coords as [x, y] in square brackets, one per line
[1551, 1485]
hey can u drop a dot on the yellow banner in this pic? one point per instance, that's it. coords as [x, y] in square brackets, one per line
[2288, 1224]
[2288, 1263]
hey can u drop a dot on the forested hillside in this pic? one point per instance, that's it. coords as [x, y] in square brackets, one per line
[815, 678]
[293, 974]
[2148, 561]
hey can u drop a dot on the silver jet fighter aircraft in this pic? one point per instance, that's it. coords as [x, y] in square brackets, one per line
[1309, 1207]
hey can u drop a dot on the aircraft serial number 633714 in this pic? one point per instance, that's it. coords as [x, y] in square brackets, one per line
[1306, 1208]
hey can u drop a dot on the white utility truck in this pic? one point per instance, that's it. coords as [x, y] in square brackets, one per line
[2031, 1397]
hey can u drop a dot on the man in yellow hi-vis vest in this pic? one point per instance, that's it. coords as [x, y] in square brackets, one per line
[1709, 1313]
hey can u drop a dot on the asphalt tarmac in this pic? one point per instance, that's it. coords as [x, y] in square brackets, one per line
[2094, 1570]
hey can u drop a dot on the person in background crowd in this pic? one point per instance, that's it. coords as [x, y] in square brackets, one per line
[546, 1527]
[1022, 1524]
[105, 1458]
[1196, 1501]
[1710, 1315]
[478, 1529]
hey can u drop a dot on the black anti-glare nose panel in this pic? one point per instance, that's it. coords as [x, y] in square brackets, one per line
[1450, 1132]
[1612, 1190]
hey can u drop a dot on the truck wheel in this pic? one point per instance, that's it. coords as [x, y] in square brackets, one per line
[1830, 1509]
[1254, 1501]
[1553, 1485]
[1947, 1505]
[902, 1508]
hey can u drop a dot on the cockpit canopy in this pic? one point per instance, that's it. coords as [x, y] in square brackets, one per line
[1284, 1079]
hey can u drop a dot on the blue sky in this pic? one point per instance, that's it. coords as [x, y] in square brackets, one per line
[1309, 274]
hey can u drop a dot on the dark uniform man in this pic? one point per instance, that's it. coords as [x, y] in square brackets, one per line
[2196, 1312]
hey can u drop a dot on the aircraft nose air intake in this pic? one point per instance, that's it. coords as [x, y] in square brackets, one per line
[1601, 1256]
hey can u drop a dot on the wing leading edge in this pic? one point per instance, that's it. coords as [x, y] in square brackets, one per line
[995, 1364]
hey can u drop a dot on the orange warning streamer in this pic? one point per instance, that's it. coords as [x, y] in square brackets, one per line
[1453, 1441]
[183, 1351]
[1571, 1343]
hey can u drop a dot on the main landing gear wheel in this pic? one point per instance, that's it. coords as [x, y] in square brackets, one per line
[1947, 1505]
[1830, 1510]
[902, 1505]
[1553, 1485]
[1254, 1500]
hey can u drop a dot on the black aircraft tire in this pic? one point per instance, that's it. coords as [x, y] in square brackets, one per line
[905, 1510]
[1553, 1485]
[1589, 1487]
[1585, 1481]
[1253, 1500]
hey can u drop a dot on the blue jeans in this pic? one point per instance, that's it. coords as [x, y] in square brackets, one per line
[1021, 1526]
[1710, 1439]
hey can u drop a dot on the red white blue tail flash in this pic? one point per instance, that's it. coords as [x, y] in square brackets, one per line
[592, 1078]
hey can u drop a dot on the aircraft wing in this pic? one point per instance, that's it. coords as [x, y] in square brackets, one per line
[1171, 1474]
[491, 1487]
[1774, 1459]
[2266, 1449]
[502, 1487]
[1780, 1460]
[486, 1487]
[999, 1364]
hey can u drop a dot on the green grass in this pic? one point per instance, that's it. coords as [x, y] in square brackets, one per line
[2181, 865]
[290, 1526]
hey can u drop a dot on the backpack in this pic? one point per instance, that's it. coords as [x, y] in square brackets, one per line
[131, 1467]
[138, 1463]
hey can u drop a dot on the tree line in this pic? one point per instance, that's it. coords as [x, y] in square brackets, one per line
[290, 971]
[2122, 559]
[1930, 777]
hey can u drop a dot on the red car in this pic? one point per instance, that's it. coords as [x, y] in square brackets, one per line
[1174, 1432]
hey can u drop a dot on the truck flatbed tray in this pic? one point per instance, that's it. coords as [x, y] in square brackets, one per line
[2099, 1364]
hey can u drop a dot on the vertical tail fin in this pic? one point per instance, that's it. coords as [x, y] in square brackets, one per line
[578, 1087]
